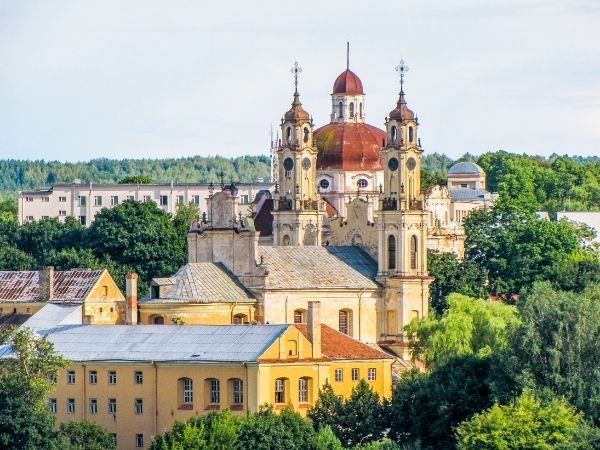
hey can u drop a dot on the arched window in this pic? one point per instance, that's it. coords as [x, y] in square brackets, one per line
[300, 316]
[237, 391]
[362, 183]
[186, 391]
[280, 390]
[340, 110]
[158, 320]
[304, 387]
[410, 134]
[288, 135]
[414, 314]
[240, 319]
[292, 347]
[414, 249]
[345, 321]
[391, 252]
[394, 134]
[305, 134]
[286, 240]
[361, 109]
[213, 391]
[351, 109]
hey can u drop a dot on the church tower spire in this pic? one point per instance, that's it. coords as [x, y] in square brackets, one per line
[298, 209]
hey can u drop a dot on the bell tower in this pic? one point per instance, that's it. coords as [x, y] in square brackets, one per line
[298, 208]
[402, 224]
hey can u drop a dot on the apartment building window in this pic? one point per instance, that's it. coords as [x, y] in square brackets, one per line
[180, 200]
[355, 374]
[45, 217]
[82, 200]
[62, 199]
[93, 376]
[139, 440]
[280, 390]
[114, 200]
[71, 377]
[139, 406]
[29, 218]
[303, 386]
[113, 438]
[70, 406]
[187, 391]
[97, 200]
[196, 199]
[131, 197]
[45, 199]
[62, 212]
[245, 198]
[147, 198]
[53, 405]
[372, 374]
[82, 220]
[164, 200]
[112, 377]
[28, 199]
[237, 387]
[93, 406]
[112, 405]
[138, 377]
[214, 387]
[339, 375]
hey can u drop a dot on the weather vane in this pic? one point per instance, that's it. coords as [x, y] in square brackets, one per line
[296, 71]
[402, 68]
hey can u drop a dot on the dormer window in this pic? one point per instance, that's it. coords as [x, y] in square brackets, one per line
[351, 109]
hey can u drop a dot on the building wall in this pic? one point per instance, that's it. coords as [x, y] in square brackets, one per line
[213, 313]
[7, 307]
[105, 304]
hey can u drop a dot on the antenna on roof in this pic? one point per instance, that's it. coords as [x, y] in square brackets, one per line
[347, 55]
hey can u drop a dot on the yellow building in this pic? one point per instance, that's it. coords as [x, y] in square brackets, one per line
[137, 380]
[24, 293]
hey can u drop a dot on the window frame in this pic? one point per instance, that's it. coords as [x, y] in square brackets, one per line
[53, 405]
[112, 377]
[71, 377]
[214, 391]
[112, 406]
[70, 406]
[93, 405]
[139, 406]
[338, 375]
[303, 390]
[138, 377]
[372, 374]
[187, 392]
[279, 390]
[355, 374]
[237, 391]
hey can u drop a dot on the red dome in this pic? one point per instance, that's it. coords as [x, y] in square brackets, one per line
[348, 83]
[349, 146]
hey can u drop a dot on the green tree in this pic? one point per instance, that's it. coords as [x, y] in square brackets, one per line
[84, 435]
[468, 327]
[138, 236]
[453, 275]
[556, 346]
[11, 258]
[327, 440]
[362, 416]
[9, 208]
[25, 420]
[528, 422]
[327, 411]
[136, 179]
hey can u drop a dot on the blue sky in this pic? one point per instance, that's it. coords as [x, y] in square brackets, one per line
[147, 78]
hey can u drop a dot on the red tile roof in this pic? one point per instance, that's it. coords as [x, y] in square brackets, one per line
[349, 146]
[338, 346]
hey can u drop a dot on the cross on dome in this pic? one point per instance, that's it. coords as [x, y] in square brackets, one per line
[402, 68]
[296, 70]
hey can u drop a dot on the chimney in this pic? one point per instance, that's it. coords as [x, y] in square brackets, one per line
[131, 299]
[314, 328]
[46, 284]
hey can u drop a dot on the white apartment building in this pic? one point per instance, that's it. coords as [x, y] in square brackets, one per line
[84, 201]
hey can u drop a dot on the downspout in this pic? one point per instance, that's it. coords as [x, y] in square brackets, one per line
[360, 294]
[84, 394]
[155, 398]
[246, 389]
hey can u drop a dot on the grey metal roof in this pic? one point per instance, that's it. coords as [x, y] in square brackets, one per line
[459, 194]
[162, 343]
[203, 282]
[53, 315]
[465, 167]
[315, 267]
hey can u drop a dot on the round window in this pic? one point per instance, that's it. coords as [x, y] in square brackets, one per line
[362, 183]
[411, 163]
[393, 164]
[324, 183]
[288, 164]
[306, 163]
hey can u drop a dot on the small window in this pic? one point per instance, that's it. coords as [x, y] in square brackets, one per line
[29, 218]
[82, 220]
[93, 406]
[114, 200]
[324, 183]
[414, 249]
[355, 374]
[82, 200]
[130, 198]
[299, 316]
[53, 406]
[288, 135]
[306, 134]
[70, 406]
[391, 252]
[139, 406]
[139, 440]
[196, 200]
[361, 109]
[164, 200]
[138, 377]
[113, 438]
[62, 199]
[28, 199]
[45, 199]
[112, 405]
[180, 200]
[372, 374]
[159, 320]
[394, 134]
[71, 377]
[239, 319]
[237, 387]
[339, 375]
[214, 391]
[52, 378]
[340, 110]
[147, 198]
[351, 109]
[343, 321]
[303, 385]
[97, 200]
[112, 377]
[187, 386]
[410, 134]
[93, 376]
[362, 183]
[280, 390]
[62, 213]
[45, 217]
[104, 291]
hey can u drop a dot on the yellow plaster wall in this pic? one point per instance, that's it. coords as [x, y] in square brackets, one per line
[197, 313]
[105, 304]
[20, 307]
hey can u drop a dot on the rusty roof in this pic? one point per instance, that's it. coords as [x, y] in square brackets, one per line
[348, 82]
[349, 146]
[401, 111]
[70, 286]
[296, 112]
[339, 346]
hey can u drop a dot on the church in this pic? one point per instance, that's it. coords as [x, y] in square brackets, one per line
[347, 225]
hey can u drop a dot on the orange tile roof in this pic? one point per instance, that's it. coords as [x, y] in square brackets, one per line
[338, 346]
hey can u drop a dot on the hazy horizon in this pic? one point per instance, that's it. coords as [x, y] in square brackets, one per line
[151, 79]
